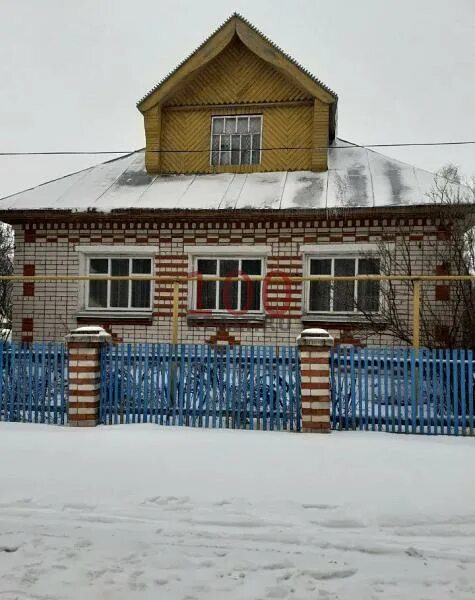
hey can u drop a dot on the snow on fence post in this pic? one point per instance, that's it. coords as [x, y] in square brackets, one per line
[84, 352]
[314, 346]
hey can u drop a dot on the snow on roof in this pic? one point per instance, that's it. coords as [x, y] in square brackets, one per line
[356, 177]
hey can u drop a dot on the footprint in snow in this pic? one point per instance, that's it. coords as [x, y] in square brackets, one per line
[9, 549]
[326, 575]
[414, 552]
[83, 544]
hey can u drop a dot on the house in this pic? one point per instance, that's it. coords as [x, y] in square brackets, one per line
[242, 173]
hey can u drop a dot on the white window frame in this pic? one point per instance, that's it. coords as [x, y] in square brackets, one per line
[224, 253]
[250, 164]
[127, 308]
[87, 253]
[334, 252]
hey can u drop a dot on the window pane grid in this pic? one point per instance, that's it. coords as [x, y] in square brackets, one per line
[228, 295]
[119, 295]
[236, 140]
[345, 297]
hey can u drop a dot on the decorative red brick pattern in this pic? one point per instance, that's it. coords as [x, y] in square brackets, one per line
[222, 337]
[315, 387]
[442, 292]
[49, 247]
[84, 380]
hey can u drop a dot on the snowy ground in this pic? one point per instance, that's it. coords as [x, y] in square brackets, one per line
[140, 511]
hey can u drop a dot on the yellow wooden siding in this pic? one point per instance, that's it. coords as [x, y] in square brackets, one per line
[320, 140]
[152, 124]
[237, 76]
[283, 127]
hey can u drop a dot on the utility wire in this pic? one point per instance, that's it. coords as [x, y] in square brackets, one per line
[207, 150]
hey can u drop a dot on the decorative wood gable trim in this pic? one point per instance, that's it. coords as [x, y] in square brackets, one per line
[218, 41]
[200, 58]
[267, 52]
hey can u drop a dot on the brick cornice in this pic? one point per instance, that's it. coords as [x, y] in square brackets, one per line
[243, 215]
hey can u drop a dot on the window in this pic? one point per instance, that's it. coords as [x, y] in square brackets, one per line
[125, 295]
[344, 296]
[228, 295]
[236, 140]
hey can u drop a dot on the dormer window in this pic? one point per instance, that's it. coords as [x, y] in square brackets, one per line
[236, 140]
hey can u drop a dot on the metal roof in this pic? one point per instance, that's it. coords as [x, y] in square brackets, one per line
[356, 177]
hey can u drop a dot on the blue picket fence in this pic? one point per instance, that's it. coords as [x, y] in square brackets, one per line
[241, 387]
[403, 390]
[33, 382]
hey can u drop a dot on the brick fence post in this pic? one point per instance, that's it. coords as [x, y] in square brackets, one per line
[84, 351]
[314, 346]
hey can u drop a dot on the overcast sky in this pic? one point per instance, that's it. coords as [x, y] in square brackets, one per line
[71, 71]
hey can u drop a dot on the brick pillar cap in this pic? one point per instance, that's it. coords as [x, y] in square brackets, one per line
[91, 333]
[315, 337]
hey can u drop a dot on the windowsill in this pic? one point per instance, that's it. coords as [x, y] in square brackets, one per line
[114, 316]
[201, 318]
[341, 318]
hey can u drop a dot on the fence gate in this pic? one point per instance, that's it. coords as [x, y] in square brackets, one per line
[239, 387]
[402, 390]
[33, 382]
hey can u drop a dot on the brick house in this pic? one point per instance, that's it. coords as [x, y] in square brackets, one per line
[242, 172]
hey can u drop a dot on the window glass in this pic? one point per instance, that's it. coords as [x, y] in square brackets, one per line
[119, 297]
[218, 125]
[206, 295]
[235, 146]
[344, 296]
[344, 291]
[98, 294]
[256, 149]
[245, 149]
[99, 266]
[236, 140]
[207, 266]
[228, 295]
[320, 290]
[255, 124]
[119, 294]
[243, 124]
[140, 294]
[230, 125]
[98, 289]
[141, 266]
[228, 290]
[368, 291]
[206, 290]
[251, 290]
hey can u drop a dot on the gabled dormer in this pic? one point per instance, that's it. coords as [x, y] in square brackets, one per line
[238, 104]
